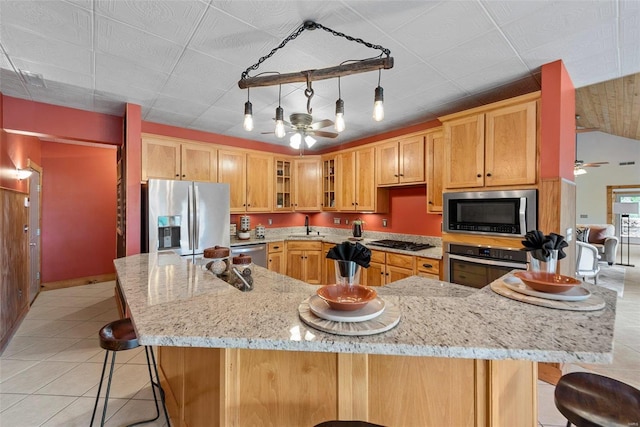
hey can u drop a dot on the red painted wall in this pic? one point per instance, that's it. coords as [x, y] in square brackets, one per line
[557, 122]
[15, 150]
[60, 122]
[78, 211]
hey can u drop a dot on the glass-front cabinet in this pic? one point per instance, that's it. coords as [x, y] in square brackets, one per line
[329, 183]
[283, 187]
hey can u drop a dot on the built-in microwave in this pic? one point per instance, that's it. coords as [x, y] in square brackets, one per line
[502, 213]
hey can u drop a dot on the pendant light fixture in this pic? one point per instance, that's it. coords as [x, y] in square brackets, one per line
[280, 131]
[248, 115]
[339, 123]
[378, 100]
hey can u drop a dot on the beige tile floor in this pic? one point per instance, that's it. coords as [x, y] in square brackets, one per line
[50, 370]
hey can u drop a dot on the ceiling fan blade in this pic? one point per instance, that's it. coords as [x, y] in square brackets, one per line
[323, 133]
[594, 165]
[321, 124]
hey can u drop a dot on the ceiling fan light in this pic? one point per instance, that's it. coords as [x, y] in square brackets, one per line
[280, 131]
[248, 116]
[378, 108]
[579, 171]
[295, 141]
[339, 125]
[309, 140]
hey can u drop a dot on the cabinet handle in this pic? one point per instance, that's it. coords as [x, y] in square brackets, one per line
[352, 204]
[356, 203]
[479, 175]
[427, 265]
[401, 174]
[387, 274]
[430, 202]
[184, 176]
[489, 174]
[382, 273]
[177, 175]
[276, 247]
[395, 175]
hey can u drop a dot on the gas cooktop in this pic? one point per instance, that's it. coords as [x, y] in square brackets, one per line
[401, 244]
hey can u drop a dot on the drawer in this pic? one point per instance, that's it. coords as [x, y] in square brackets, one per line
[404, 261]
[378, 256]
[275, 247]
[304, 246]
[428, 265]
[326, 247]
[428, 275]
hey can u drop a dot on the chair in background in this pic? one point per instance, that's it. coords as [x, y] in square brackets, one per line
[603, 237]
[587, 261]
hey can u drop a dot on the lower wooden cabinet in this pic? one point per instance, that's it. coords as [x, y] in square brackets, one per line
[329, 270]
[304, 261]
[387, 267]
[428, 267]
[275, 257]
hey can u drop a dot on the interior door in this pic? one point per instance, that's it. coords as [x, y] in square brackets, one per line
[34, 235]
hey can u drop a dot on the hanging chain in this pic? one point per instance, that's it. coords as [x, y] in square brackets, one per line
[310, 25]
[308, 92]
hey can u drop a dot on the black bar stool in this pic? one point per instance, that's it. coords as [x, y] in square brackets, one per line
[117, 336]
[587, 399]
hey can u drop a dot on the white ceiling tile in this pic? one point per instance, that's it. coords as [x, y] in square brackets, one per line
[53, 73]
[443, 27]
[134, 45]
[630, 59]
[166, 117]
[217, 118]
[172, 20]
[471, 57]
[53, 19]
[12, 85]
[24, 44]
[504, 12]
[630, 26]
[203, 69]
[180, 106]
[126, 73]
[459, 104]
[85, 4]
[559, 20]
[438, 94]
[108, 106]
[494, 76]
[390, 15]
[598, 68]
[114, 90]
[198, 90]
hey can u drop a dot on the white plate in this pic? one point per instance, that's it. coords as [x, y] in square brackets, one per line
[320, 308]
[576, 293]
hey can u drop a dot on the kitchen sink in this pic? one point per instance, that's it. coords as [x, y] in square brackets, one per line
[306, 236]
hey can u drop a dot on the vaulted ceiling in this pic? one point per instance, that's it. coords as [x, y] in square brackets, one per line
[181, 60]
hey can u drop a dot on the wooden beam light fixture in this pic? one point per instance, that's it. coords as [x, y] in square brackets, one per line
[382, 61]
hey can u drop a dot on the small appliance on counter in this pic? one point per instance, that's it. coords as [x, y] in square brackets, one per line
[260, 231]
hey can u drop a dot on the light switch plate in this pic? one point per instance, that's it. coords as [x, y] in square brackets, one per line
[336, 220]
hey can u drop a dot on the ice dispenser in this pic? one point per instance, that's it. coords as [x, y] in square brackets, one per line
[168, 232]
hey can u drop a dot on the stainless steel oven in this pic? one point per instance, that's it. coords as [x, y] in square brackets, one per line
[477, 266]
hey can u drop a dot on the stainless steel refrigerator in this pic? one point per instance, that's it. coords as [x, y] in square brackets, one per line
[187, 217]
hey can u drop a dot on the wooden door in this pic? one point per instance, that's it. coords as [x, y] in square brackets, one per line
[160, 158]
[435, 163]
[411, 160]
[199, 163]
[394, 273]
[365, 179]
[510, 145]
[259, 183]
[374, 275]
[313, 267]
[276, 262]
[464, 152]
[232, 171]
[295, 264]
[387, 168]
[346, 181]
[307, 184]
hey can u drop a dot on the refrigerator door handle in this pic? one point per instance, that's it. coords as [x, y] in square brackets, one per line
[196, 221]
[189, 223]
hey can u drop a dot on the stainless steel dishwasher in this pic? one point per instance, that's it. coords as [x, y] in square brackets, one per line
[257, 252]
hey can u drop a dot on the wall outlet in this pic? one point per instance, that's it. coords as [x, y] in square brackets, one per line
[346, 221]
[270, 221]
[336, 220]
[384, 222]
[569, 234]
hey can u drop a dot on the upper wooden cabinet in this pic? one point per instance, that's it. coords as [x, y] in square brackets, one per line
[400, 162]
[283, 189]
[232, 170]
[307, 184]
[250, 178]
[170, 158]
[357, 190]
[329, 188]
[492, 146]
[435, 163]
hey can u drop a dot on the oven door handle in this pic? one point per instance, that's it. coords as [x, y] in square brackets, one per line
[518, 265]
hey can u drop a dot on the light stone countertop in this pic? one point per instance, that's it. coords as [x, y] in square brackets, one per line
[174, 303]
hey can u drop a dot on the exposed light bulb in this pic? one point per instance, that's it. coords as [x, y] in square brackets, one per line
[248, 116]
[280, 131]
[378, 108]
[295, 141]
[339, 125]
[23, 174]
[309, 140]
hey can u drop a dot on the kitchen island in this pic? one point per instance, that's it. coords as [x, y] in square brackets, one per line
[459, 356]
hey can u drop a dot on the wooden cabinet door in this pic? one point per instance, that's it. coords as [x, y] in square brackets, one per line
[365, 179]
[411, 160]
[387, 168]
[329, 270]
[374, 275]
[232, 170]
[313, 267]
[283, 188]
[160, 158]
[295, 264]
[329, 184]
[259, 183]
[510, 145]
[435, 162]
[307, 184]
[464, 152]
[394, 274]
[199, 163]
[346, 181]
[275, 262]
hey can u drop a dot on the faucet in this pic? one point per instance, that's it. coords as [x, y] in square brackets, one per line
[306, 224]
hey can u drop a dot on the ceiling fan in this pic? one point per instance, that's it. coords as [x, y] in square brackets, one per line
[301, 125]
[580, 165]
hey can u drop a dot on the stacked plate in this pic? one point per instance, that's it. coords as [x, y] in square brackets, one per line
[547, 286]
[371, 310]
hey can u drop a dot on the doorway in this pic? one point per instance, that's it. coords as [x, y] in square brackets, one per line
[35, 187]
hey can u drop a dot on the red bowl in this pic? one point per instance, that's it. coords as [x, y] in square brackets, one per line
[346, 297]
[547, 282]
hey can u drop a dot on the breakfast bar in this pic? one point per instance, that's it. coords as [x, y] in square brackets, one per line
[458, 356]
